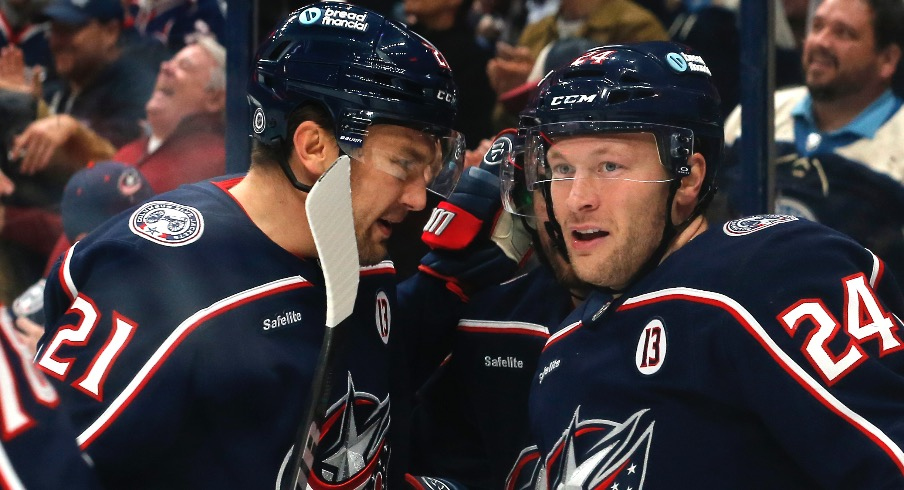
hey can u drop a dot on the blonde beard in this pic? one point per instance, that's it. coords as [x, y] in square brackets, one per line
[617, 271]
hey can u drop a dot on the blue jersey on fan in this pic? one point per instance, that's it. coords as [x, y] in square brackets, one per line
[470, 418]
[37, 442]
[184, 343]
[763, 354]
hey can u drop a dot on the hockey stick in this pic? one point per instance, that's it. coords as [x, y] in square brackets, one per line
[329, 210]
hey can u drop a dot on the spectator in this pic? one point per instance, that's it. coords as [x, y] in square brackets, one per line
[98, 90]
[20, 30]
[846, 114]
[175, 24]
[185, 118]
[603, 21]
[554, 55]
[847, 106]
[186, 125]
[93, 195]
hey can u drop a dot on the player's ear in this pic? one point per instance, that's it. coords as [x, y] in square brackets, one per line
[889, 57]
[315, 148]
[689, 189]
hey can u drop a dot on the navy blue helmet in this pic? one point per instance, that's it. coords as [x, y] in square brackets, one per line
[362, 69]
[660, 88]
[655, 87]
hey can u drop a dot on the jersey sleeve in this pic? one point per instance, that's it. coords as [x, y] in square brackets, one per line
[818, 358]
[113, 348]
[37, 442]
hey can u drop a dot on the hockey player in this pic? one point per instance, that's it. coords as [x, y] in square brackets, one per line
[37, 442]
[184, 335]
[765, 353]
[470, 418]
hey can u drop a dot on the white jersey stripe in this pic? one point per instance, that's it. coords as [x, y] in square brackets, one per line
[492, 326]
[746, 319]
[8, 476]
[66, 274]
[876, 271]
[175, 338]
[561, 333]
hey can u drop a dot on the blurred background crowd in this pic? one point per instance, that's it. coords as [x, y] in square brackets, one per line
[141, 84]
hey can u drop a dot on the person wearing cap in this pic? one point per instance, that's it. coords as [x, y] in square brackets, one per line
[603, 21]
[40, 449]
[207, 305]
[185, 139]
[98, 99]
[99, 86]
[93, 195]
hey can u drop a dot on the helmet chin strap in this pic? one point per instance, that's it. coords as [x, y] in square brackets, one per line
[290, 174]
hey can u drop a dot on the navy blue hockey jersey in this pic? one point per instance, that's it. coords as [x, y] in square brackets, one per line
[470, 419]
[184, 342]
[762, 354]
[37, 442]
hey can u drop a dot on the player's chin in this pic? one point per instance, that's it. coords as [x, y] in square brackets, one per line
[372, 252]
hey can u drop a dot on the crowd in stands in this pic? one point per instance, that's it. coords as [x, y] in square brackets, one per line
[143, 82]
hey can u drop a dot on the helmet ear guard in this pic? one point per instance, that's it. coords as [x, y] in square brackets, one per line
[362, 69]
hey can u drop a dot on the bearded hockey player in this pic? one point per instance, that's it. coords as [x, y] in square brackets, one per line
[765, 353]
[184, 335]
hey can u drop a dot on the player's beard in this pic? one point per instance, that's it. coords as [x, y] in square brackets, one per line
[617, 267]
[370, 250]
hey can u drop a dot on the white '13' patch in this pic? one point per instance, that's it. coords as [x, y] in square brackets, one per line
[651, 348]
[383, 316]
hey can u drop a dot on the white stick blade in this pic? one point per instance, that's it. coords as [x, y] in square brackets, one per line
[329, 209]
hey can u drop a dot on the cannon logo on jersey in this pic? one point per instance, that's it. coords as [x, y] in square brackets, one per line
[353, 452]
[601, 454]
[651, 348]
[746, 226]
[383, 316]
[167, 223]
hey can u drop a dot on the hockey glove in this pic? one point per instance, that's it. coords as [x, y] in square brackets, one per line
[474, 242]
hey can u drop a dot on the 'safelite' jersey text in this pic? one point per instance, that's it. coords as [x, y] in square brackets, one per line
[184, 342]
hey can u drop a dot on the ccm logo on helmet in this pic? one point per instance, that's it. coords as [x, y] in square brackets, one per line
[446, 96]
[572, 99]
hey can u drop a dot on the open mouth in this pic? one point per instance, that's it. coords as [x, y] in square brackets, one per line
[587, 235]
[385, 226]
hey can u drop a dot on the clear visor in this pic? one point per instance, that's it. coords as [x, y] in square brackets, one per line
[409, 154]
[609, 153]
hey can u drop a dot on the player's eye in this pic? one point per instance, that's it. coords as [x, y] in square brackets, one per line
[562, 170]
